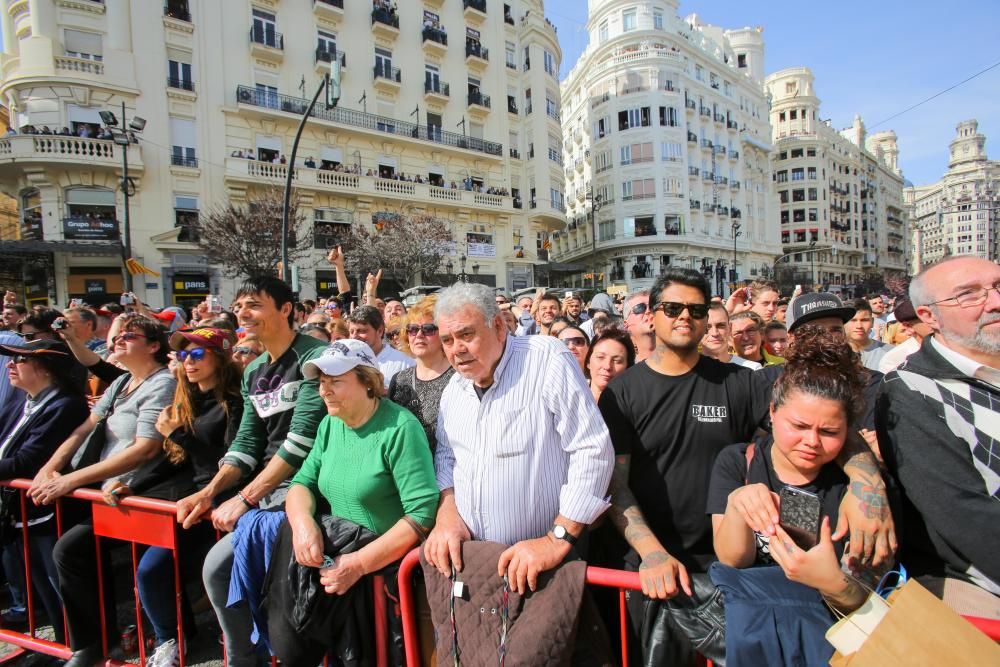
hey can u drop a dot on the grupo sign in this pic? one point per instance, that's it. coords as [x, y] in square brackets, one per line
[90, 229]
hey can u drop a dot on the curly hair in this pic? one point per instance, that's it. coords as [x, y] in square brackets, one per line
[822, 364]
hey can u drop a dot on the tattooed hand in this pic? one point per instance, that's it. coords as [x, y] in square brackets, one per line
[660, 573]
[864, 511]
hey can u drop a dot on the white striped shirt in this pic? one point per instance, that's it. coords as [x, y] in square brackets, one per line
[534, 447]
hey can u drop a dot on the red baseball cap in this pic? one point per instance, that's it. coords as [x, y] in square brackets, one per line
[221, 339]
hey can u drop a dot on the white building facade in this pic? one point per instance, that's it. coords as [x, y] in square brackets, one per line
[450, 92]
[665, 127]
[840, 194]
[959, 214]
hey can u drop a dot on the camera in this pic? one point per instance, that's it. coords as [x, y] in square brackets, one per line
[59, 324]
[127, 299]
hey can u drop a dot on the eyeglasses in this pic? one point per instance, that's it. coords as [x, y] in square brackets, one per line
[639, 308]
[245, 350]
[20, 358]
[969, 298]
[425, 329]
[575, 341]
[749, 331]
[195, 353]
[392, 335]
[698, 311]
[332, 305]
[30, 336]
[127, 336]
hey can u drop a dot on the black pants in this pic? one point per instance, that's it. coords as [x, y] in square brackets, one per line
[76, 561]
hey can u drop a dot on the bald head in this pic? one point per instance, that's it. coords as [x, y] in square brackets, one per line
[958, 298]
[939, 280]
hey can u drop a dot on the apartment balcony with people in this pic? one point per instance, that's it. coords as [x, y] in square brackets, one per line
[479, 102]
[385, 20]
[21, 151]
[435, 40]
[476, 55]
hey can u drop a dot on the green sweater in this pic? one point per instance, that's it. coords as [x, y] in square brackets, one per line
[376, 474]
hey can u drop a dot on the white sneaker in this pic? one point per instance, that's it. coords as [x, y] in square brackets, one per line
[166, 655]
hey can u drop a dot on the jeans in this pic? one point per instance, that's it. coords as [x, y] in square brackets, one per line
[74, 555]
[42, 539]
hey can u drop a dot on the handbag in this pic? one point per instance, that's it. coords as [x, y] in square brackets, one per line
[92, 448]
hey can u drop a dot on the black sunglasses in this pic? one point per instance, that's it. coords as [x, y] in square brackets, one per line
[426, 329]
[392, 335]
[698, 311]
[20, 358]
[640, 308]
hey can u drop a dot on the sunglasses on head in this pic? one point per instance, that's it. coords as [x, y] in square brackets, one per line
[698, 311]
[127, 336]
[195, 353]
[425, 329]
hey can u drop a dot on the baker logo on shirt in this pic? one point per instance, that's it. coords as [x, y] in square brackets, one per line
[709, 414]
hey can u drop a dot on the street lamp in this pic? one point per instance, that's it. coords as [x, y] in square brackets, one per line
[812, 264]
[120, 136]
[462, 277]
[736, 234]
[595, 205]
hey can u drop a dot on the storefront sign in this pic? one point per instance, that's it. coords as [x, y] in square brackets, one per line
[95, 286]
[191, 284]
[90, 229]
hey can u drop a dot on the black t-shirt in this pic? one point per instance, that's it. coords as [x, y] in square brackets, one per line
[730, 473]
[673, 427]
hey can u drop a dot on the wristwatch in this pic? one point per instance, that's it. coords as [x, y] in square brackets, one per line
[561, 533]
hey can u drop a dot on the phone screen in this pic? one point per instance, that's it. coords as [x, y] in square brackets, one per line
[799, 515]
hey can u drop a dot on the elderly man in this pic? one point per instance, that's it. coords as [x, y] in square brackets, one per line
[938, 424]
[523, 456]
[84, 323]
[639, 324]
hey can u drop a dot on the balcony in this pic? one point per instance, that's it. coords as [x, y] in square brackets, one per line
[267, 44]
[381, 125]
[180, 84]
[514, 153]
[385, 23]
[706, 143]
[708, 176]
[512, 104]
[720, 118]
[479, 103]
[182, 161]
[724, 211]
[706, 112]
[508, 18]
[735, 185]
[435, 41]
[736, 213]
[45, 150]
[436, 91]
[693, 172]
[335, 182]
[694, 205]
[720, 150]
[386, 79]
[328, 9]
[734, 155]
[692, 138]
[324, 57]
[475, 10]
[476, 55]
[732, 125]
[79, 65]
[690, 105]
[579, 164]
[722, 180]
[177, 10]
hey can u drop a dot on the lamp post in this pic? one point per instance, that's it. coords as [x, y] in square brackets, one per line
[450, 268]
[462, 277]
[595, 205]
[121, 138]
[736, 234]
[812, 264]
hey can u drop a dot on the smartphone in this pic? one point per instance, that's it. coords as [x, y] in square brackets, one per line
[214, 304]
[76, 303]
[126, 300]
[800, 516]
[59, 323]
[568, 295]
[749, 297]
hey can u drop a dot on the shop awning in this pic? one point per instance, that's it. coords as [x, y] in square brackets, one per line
[94, 247]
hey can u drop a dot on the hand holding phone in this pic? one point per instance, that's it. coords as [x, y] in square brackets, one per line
[800, 515]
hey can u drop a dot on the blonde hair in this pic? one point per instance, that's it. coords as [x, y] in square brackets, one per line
[421, 310]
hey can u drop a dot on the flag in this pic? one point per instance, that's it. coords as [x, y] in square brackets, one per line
[135, 268]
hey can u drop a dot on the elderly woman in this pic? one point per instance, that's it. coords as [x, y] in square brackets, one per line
[419, 389]
[372, 465]
[119, 436]
[45, 371]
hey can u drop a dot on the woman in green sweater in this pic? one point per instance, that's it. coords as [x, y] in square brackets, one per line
[370, 462]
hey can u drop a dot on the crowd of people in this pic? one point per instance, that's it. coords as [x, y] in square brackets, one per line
[731, 451]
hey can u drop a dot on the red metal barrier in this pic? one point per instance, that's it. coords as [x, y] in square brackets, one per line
[138, 521]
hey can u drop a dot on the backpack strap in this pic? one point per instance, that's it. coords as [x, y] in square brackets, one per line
[750, 451]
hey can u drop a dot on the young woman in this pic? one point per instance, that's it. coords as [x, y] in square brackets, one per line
[578, 343]
[815, 399]
[419, 389]
[197, 430]
[611, 353]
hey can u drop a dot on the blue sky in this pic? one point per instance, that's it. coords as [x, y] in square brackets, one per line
[875, 58]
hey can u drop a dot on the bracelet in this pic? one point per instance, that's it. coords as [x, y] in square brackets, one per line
[246, 502]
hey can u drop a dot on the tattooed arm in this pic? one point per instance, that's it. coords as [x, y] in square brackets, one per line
[864, 511]
[659, 572]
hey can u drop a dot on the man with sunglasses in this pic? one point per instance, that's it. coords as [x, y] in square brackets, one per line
[938, 424]
[639, 324]
[669, 417]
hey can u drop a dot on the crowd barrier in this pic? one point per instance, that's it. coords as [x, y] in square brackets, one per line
[139, 522]
[142, 521]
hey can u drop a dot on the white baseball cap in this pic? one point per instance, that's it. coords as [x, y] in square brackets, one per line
[339, 357]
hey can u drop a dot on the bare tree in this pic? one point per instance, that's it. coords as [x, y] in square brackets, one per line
[403, 246]
[245, 239]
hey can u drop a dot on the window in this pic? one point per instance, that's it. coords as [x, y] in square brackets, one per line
[812, 173]
[85, 45]
[432, 79]
[602, 127]
[556, 199]
[179, 75]
[630, 118]
[741, 60]
[527, 58]
[264, 29]
[527, 101]
[511, 55]
[326, 42]
[812, 194]
[796, 152]
[798, 195]
[550, 62]
[671, 152]
[783, 196]
[602, 32]
[551, 108]
[635, 153]
[628, 20]
[645, 226]
[782, 176]
[668, 117]
[383, 63]
[643, 188]
[810, 152]
[186, 217]
[267, 96]
[781, 119]
[182, 135]
[603, 161]
[658, 20]
[798, 174]
[813, 215]
[793, 114]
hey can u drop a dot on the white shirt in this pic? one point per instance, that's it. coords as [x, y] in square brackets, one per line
[967, 366]
[897, 355]
[745, 363]
[391, 361]
[533, 447]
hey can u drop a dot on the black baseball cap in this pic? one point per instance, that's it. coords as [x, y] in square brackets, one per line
[815, 306]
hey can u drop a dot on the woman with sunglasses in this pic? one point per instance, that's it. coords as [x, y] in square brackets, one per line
[54, 407]
[419, 388]
[611, 353]
[578, 343]
[246, 350]
[127, 413]
[197, 430]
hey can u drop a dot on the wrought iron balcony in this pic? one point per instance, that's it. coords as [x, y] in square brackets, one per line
[183, 84]
[269, 38]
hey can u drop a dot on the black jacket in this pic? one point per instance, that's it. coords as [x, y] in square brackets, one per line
[936, 430]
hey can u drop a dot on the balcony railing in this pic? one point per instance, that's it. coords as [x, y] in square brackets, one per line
[388, 73]
[364, 120]
[690, 104]
[732, 125]
[474, 49]
[516, 154]
[28, 148]
[183, 84]
[480, 99]
[385, 17]
[270, 38]
[692, 137]
[177, 10]
[692, 171]
[183, 161]
[432, 34]
[437, 88]
[326, 56]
